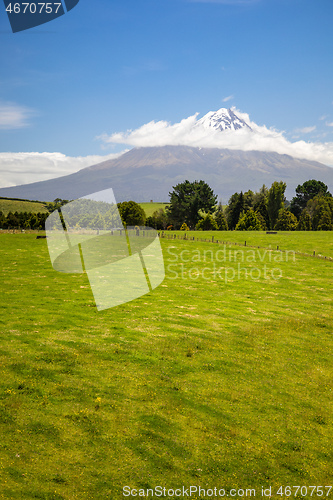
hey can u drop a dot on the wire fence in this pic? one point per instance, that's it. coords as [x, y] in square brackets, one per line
[185, 237]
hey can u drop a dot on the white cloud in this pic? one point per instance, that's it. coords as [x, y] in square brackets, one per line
[305, 130]
[23, 168]
[228, 98]
[14, 116]
[329, 124]
[189, 133]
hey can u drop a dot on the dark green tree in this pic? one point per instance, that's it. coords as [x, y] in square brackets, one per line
[2, 219]
[275, 201]
[263, 224]
[12, 221]
[186, 199]
[230, 211]
[318, 206]
[260, 206]
[325, 223]
[304, 223]
[21, 216]
[260, 195]
[220, 218]
[305, 192]
[234, 209]
[208, 223]
[249, 222]
[249, 197]
[34, 222]
[131, 213]
[286, 221]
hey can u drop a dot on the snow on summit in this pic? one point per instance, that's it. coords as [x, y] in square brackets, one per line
[223, 129]
[223, 119]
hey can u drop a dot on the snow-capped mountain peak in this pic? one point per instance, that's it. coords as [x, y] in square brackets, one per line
[223, 119]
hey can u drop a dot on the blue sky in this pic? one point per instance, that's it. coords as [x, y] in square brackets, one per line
[109, 66]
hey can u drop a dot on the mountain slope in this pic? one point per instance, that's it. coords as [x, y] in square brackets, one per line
[143, 174]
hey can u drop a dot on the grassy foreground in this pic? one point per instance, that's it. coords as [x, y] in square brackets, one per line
[213, 379]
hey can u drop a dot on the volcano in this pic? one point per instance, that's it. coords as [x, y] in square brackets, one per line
[144, 174]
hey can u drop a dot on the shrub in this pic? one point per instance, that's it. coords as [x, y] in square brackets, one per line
[286, 221]
[249, 222]
[208, 223]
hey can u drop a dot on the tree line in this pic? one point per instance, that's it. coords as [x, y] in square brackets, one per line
[23, 220]
[29, 220]
[79, 214]
[193, 205]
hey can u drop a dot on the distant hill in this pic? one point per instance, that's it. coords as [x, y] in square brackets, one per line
[10, 205]
[144, 174]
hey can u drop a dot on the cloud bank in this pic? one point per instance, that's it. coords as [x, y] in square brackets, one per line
[189, 133]
[24, 168]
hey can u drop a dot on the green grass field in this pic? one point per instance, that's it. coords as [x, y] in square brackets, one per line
[7, 206]
[150, 208]
[320, 242]
[213, 379]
